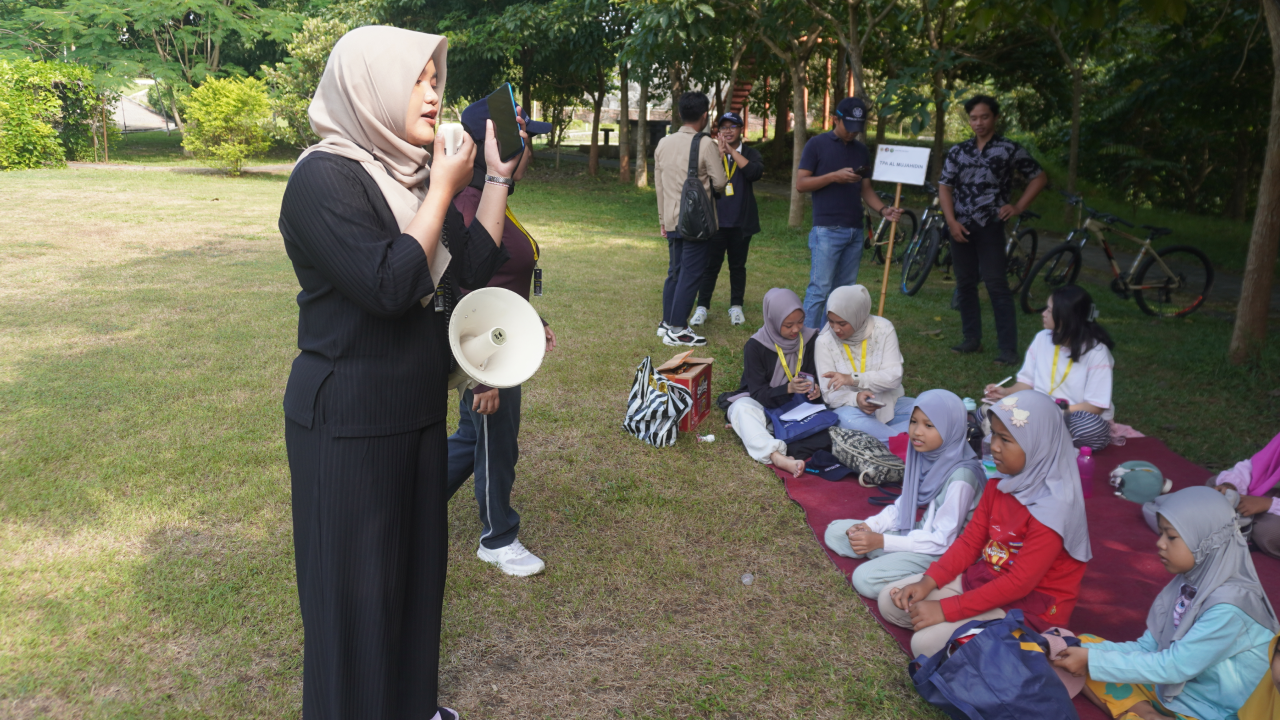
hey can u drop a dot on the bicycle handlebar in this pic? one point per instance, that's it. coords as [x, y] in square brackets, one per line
[1028, 215]
[1071, 199]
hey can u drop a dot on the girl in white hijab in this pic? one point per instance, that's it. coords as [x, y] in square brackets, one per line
[377, 251]
[1208, 632]
[860, 366]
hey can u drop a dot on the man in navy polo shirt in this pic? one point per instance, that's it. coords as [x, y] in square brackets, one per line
[833, 167]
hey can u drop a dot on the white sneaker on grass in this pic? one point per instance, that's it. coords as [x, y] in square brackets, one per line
[663, 327]
[699, 317]
[513, 559]
[736, 317]
[683, 336]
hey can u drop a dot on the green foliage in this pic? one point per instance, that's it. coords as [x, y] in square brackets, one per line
[47, 113]
[293, 82]
[227, 122]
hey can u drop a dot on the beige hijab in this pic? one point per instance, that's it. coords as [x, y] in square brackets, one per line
[359, 107]
[853, 304]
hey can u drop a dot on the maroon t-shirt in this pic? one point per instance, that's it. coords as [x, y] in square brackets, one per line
[516, 274]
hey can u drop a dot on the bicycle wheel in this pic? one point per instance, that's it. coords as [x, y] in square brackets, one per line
[869, 238]
[1021, 253]
[919, 260]
[1178, 290]
[1060, 266]
[906, 233]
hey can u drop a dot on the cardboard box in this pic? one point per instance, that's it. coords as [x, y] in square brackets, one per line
[695, 375]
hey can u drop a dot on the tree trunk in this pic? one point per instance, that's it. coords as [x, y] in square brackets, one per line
[764, 115]
[1077, 96]
[642, 130]
[1237, 204]
[593, 157]
[855, 55]
[780, 108]
[677, 87]
[624, 125]
[1255, 291]
[939, 127]
[881, 122]
[798, 79]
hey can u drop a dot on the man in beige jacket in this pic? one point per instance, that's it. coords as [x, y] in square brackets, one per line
[687, 258]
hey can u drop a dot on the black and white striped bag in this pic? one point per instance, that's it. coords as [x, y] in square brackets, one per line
[655, 406]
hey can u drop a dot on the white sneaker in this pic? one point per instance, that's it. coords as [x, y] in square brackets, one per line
[513, 559]
[699, 317]
[735, 315]
[662, 328]
[683, 336]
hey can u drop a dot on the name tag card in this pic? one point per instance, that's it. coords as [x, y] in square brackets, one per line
[901, 164]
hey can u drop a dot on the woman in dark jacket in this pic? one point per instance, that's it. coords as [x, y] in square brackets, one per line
[379, 254]
[777, 363]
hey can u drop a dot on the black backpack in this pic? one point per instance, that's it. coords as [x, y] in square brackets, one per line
[697, 216]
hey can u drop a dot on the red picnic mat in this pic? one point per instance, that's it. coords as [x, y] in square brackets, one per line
[1121, 581]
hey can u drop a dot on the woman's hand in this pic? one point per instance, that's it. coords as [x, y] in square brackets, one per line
[995, 392]
[1074, 660]
[864, 542]
[862, 402]
[485, 403]
[551, 337]
[452, 173]
[905, 597]
[926, 613]
[493, 157]
[1250, 505]
[839, 380]
[815, 392]
[800, 385]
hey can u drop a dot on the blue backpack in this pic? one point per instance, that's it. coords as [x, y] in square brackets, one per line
[1002, 673]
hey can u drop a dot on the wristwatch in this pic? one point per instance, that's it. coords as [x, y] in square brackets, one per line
[495, 180]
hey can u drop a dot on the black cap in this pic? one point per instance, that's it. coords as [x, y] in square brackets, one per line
[826, 466]
[732, 117]
[853, 112]
[477, 112]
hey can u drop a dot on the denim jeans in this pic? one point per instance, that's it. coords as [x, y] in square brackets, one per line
[834, 254]
[852, 418]
[982, 257]
[494, 478]
[686, 261]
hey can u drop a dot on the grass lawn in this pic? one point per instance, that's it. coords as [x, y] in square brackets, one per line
[162, 148]
[146, 330]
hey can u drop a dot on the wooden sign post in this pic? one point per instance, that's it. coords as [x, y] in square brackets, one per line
[898, 164]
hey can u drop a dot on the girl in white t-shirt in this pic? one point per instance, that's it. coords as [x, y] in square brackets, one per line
[1070, 360]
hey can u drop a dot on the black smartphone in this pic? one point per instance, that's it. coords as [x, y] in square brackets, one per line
[502, 110]
[863, 172]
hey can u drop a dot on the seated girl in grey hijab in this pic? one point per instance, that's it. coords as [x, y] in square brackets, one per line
[943, 476]
[1208, 632]
[860, 367]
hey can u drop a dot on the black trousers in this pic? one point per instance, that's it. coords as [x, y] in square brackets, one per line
[371, 545]
[729, 241]
[983, 258]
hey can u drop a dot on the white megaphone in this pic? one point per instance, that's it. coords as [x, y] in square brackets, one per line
[497, 339]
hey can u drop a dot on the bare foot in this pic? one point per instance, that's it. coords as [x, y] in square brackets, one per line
[790, 464]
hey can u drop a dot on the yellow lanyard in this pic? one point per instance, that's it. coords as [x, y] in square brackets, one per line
[729, 168]
[849, 352]
[511, 216]
[783, 359]
[1057, 349]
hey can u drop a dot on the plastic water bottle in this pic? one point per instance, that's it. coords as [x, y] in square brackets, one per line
[1084, 462]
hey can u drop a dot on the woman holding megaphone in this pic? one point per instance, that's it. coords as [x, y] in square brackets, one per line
[379, 253]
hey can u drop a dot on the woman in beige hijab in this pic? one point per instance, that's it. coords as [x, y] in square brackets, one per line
[860, 366]
[379, 252]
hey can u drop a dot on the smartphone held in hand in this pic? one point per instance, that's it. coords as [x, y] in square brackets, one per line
[502, 110]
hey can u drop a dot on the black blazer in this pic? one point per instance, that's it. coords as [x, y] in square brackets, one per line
[758, 362]
[361, 324]
[751, 173]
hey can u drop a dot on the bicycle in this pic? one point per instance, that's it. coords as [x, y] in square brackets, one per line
[929, 248]
[1172, 282]
[880, 233]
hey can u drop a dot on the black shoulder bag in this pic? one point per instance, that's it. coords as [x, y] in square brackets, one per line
[697, 216]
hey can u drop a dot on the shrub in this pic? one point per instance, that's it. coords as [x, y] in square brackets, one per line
[227, 122]
[293, 82]
[47, 113]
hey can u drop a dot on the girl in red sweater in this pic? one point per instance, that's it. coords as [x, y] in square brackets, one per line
[1026, 546]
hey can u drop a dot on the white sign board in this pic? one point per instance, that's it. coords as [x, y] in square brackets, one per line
[901, 164]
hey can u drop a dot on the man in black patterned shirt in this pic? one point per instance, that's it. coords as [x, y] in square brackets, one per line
[974, 193]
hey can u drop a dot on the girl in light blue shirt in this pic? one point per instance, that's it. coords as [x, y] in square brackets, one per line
[1208, 631]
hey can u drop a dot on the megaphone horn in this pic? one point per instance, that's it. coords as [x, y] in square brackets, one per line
[497, 339]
